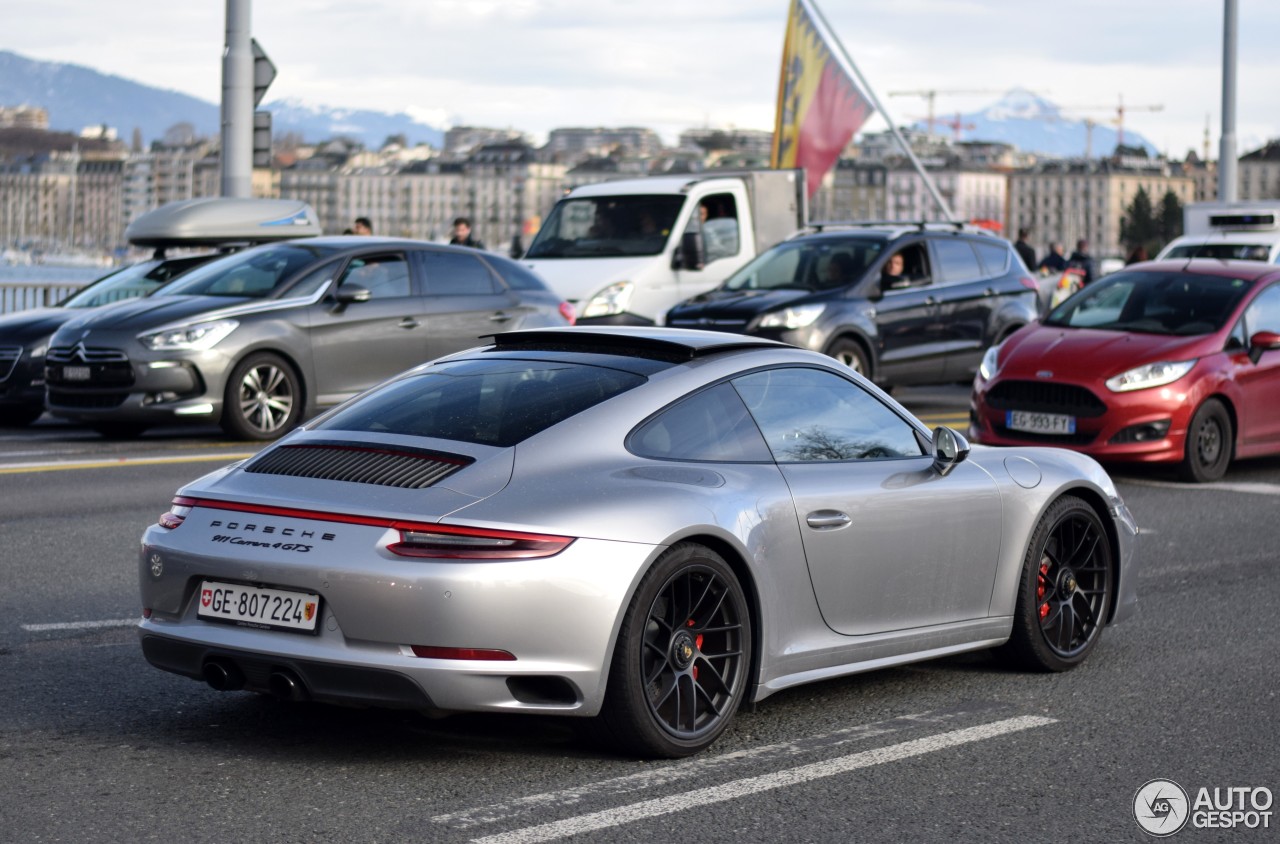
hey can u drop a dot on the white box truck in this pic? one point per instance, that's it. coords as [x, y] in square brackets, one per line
[623, 252]
[1248, 231]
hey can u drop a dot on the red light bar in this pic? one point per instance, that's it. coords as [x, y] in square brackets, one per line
[488, 654]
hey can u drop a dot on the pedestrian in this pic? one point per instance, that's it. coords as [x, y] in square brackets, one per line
[362, 225]
[462, 234]
[1025, 252]
[1054, 262]
[1082, 260]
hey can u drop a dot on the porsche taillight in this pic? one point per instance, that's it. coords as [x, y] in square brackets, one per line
[460, 543]
[178, 512]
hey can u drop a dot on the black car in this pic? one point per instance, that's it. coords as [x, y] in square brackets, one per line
[903, 304]
[24, 335]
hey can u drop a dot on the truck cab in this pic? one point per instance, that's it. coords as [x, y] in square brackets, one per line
[1244, 231]
[624, 252]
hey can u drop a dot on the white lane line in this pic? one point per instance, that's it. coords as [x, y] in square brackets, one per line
[1221, 486]
[706, 767]
[80, 625]
[765, 782]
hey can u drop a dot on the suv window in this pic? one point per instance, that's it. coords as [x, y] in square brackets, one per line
[995, 257]
[812, 416]
[712, 425]
[956, 260]
[457, 274]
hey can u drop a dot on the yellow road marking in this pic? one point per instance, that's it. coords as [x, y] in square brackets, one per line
[20, 468]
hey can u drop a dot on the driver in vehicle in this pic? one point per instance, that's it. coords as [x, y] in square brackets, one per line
[892, 275]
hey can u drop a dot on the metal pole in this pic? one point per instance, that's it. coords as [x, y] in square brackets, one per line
[1227, 146]
[852, 70]
[237, 103]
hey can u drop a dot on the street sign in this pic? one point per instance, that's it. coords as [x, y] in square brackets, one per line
[263, 72]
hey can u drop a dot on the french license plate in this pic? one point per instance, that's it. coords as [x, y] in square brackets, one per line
[1040, 423]
[75, 373]
[252, 606]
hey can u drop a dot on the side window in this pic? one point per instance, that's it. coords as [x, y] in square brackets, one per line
[517, 277]
[995, 258]
[814, 416]
[456, 274]
[311, 282]
[1263, 313]
[719, 216]
[711, 425]
[385, 276]
[956, 261]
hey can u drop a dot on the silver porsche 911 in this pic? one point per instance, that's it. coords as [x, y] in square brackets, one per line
[642, 526]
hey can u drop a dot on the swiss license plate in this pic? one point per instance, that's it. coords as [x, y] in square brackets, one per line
[75, 373]
[1040, 423]
[253, 606]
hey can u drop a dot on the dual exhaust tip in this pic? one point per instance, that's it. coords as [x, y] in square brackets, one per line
[225, 676]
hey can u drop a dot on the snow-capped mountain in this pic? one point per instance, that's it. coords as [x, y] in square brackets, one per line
[1034, 124]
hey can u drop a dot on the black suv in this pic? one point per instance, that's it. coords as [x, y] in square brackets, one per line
[902, 303]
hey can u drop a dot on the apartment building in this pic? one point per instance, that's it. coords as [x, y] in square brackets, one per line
[1066, 201]
[1259, 173]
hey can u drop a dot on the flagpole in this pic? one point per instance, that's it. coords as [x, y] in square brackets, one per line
[852, 70]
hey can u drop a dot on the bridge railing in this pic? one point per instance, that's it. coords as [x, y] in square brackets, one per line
[23, 295]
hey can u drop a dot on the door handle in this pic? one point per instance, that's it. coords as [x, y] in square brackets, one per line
[827, 519]
[408, 322]
[990, 291]
[930, 300]
[500, 316]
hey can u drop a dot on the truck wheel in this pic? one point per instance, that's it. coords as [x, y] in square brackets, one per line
[850, 353]
[263, 399]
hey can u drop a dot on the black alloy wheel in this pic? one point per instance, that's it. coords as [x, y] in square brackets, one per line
[1066, 590]
[850, 353]
[263, 399]
[680, 669]
[1209, 444]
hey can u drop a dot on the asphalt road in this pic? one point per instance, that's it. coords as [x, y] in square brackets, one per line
[95, 745]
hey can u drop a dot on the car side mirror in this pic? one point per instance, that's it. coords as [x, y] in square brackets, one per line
[1262, 341]
[692, 252]
[350, 292]
[949, 449]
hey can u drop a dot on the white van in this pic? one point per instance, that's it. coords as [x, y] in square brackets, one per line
[1247, 231]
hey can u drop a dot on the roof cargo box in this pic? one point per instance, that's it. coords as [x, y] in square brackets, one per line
[222, 221]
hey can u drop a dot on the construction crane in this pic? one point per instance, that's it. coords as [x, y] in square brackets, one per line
[1118, 120]
[957, 125]
[931, 94]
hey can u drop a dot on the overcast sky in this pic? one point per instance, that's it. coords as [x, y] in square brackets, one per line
[534, 65]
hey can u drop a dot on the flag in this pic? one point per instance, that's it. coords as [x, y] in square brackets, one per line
[819, 104]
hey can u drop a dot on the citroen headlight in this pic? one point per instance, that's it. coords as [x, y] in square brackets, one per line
[614, 299]
[1151, 375]
[796, 317]
[39, 351]
[198, 336]
[989, 367]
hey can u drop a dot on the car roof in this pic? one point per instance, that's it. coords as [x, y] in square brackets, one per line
[891, 230]
[670, 343]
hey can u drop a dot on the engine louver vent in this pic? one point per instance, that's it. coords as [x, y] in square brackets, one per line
[359, 465]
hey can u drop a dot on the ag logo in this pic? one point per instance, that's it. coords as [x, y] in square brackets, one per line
[1161, 808]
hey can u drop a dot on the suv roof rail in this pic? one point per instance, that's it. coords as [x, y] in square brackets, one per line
[919, 225]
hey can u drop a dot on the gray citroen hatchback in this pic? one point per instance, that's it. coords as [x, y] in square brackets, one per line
[261, 339]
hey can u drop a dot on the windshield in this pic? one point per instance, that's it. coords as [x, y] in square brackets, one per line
[808, 265]
[130, 282]
[254, 273]
[1175, 303]
[607, 225]
[489, 402]
[1222, 251]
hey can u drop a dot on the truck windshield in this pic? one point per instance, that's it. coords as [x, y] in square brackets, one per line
[595, 226]
[1226, 251]
[808, 265]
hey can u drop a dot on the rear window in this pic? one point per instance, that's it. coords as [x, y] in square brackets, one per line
[1176, 303]
[498, 402]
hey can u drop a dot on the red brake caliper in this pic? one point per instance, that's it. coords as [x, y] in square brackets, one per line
[697, 641]
[1041, 588]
